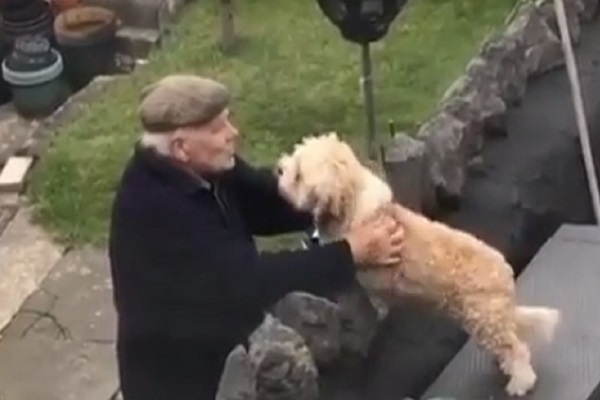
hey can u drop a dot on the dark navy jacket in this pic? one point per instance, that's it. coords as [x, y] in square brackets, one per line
[183, 258]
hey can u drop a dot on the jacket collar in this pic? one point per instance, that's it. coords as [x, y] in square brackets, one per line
[170, 172]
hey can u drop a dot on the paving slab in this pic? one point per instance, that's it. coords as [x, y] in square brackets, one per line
[27, 254]
[14, 132]
[14, 174]
[5, 216]
[61, 342]
[9, 201]
[49, 369]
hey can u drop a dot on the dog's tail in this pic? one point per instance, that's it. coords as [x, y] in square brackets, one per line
[537, 323]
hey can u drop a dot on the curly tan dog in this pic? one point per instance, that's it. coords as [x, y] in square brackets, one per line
[456, 271]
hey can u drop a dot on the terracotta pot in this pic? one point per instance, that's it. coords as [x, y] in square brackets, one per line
[86, 36]
[63, 5]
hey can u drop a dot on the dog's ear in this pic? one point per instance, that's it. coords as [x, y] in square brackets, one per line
[334, 190]
[322, 206]
[332, 135]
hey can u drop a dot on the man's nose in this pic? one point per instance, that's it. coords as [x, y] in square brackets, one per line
[233, 129]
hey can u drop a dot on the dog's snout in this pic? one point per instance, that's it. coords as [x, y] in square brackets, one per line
[278, 170]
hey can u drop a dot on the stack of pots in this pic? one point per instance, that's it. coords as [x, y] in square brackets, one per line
[86, 37]
[33, 70]
[5, 94]
[63, 5]
[25, 17]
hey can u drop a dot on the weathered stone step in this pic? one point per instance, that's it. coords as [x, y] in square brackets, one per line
[61, 343]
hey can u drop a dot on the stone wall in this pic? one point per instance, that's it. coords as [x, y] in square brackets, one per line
[474, 107]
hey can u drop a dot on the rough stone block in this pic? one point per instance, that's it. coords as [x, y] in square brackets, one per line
[446, 158]
[404, 167]
[360, 314]
[285, 368]
[238, 381]
[590, 9]
[27, 254]
[543, 47]
[502, 60]
[14, 173]
[573, 9]
[316, 319]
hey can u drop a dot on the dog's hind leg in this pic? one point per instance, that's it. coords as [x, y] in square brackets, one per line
[515, 361]
[493, 324]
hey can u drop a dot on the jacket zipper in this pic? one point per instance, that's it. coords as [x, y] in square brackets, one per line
[221, 204]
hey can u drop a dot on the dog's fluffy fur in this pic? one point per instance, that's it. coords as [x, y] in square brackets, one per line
[456, 271]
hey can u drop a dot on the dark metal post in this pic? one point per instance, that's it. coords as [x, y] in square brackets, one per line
[367, 88]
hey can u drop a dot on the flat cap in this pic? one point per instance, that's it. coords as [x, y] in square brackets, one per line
[181, 100]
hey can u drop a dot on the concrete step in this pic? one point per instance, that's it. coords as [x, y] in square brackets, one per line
[137, 42]
[146, 14]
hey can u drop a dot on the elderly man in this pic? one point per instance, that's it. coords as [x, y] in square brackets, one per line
[189, 283]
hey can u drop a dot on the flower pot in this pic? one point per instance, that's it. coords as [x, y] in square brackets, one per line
[33, 70]
[86, 36]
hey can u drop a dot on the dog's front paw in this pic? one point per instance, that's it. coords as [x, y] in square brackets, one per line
[520, 384]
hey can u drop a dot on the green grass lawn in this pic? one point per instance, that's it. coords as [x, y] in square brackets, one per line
[292, 76]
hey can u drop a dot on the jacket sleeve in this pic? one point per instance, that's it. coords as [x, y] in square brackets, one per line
[214, 268]
[265, 211]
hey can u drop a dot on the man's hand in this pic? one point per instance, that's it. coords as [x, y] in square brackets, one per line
[376, 242]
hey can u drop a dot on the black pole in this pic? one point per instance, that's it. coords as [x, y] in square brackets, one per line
[367, 87]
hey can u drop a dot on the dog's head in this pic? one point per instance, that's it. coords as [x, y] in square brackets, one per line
[320, 176]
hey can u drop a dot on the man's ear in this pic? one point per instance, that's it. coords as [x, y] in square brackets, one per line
[178, 147]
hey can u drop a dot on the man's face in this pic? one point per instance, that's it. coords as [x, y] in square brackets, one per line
[208, 149]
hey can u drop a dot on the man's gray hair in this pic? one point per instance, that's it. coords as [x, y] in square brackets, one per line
[158, 142]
